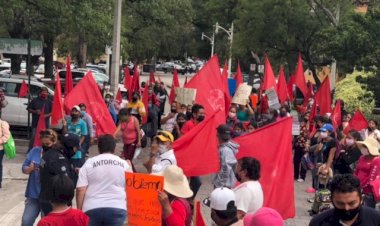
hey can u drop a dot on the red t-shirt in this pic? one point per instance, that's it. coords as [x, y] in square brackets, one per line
[188, 126]
[72, 217]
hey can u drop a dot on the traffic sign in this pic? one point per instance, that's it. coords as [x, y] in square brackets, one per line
[20, 46]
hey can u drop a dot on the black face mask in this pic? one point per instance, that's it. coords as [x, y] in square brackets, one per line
[282, 114]
[346, 215]
[370, 129]
[173, 110]
[74, 116]
[45, 147]
[238, 178]
[200, 118]
[134, 99]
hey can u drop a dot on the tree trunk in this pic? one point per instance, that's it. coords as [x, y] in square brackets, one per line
[48, 53]
[82, 51]
[312, 69]
[15, 63]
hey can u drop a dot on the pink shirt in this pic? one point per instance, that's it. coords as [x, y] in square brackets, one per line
[367, 170]
[129, 130]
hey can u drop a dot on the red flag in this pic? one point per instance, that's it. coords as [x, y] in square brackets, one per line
[313, 112]
[69, 77]
[145, 98]
[152, 80]
[238, 76]
[209, 85]
[23, 90]
[119, 97]
[323, 97]
[135, 85]
[159, 78]
[290, 87]
[227, 97]
[272, 146]
[41, 125]
[299, 77]
[199, 220]
[357, 122]
[336, 116]
[197, 151]
[184, 84]
[175, 84]
[127, 78]
[282, 90]
[269, 79]
[309, 94]
[86, 92]
[57, 110]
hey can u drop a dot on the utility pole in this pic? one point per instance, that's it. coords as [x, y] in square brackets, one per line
[230, 33]
[114, 77]
[212, 41]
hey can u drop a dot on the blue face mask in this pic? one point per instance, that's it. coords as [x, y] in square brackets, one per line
[82, 113]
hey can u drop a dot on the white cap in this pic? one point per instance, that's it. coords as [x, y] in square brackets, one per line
[76, 107]
[221, 197]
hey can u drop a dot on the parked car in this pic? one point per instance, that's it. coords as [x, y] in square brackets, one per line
[97, 68]
[15, 112]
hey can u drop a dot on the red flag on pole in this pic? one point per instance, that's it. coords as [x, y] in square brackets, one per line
[197, 151]
[145, 98]
[272, 146]
[269, 79]
[86, 92]
[238, 76]
[119, 97]
[282, 90]
[127, 78]
[175, 84]
[23, 92]
[69, 77]
[57, 110]
[357, 122]
[152, 80]
[299, 77]
[290, 87]
[135, 85]
[323, 97]
[336, 116]
[41, 125]
[227, 96]
[309, 94]
[209, 85]
[199, 220]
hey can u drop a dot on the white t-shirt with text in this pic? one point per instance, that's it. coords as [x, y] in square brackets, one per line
[104, 176]
[249, 196]
[164, 160]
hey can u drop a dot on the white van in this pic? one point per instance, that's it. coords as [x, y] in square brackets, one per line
[15, 112]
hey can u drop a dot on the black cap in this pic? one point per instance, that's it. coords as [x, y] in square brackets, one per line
[70, 140]
[224, 130]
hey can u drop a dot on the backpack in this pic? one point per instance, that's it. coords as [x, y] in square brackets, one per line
[322, 201]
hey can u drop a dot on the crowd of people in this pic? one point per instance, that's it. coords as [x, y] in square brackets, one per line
[60, 169]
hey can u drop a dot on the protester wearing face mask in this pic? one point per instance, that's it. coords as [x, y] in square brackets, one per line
[232, 119]
[31, 167]
[35, 108]
[137, 107]
[198, 115]
[324, 152]
[169, 121]
[346, 197]
[89, 138]
[368, 168]
[249, 194]
[181, 120]
[349, 155]
[372, 130]
[162, 154]
[244, 112]
[238, 130]
[75, 125]
[109, 99]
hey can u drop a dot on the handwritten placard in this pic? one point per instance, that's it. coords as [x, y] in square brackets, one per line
[273, 99]
[296, 126]
[142, 199]
[242, 94]
[185, 95]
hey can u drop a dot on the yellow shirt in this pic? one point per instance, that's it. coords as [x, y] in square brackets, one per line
[137, 108]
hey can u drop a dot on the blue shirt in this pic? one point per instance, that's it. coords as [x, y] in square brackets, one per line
[90, 125]
[33, 188]
[80, 128]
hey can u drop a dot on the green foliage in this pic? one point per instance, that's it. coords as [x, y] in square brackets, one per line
[356, 94]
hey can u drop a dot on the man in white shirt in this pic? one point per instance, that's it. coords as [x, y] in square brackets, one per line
[372, 130]
[101, 185]
[249, 194]
[162, 154]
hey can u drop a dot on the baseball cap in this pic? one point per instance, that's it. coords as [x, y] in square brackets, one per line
[327, 127]
[222, 199]
[264, 217]
[70, 140]
[76, 107]
[165, 136]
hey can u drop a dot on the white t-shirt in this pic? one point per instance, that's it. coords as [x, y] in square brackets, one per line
[164, 160]
[249, 196]
[104, 176]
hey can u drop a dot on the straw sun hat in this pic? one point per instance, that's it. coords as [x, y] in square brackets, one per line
[372, 145]
[175, 182]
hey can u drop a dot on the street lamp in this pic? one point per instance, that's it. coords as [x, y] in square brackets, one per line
[212, 41]
[230, 33]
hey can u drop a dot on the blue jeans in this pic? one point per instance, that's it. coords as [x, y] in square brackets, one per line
[107, 216]
[1, 166]
[31, 211]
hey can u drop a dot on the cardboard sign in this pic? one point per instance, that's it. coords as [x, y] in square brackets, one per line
[185, 95]
[296, 126]
[143, 206]
[273, 99]
[242, 94]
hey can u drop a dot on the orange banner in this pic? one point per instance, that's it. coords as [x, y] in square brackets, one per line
[143, 206]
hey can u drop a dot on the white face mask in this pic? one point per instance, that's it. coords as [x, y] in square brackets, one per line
[162, 148]
[350, 142]
[231, 114]
[364, 151]
[323, 135]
